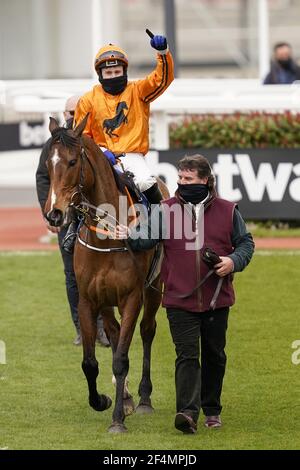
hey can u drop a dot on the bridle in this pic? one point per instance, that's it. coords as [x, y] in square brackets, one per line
[98, 217]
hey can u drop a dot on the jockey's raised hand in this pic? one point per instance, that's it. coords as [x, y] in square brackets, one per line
[159, 43]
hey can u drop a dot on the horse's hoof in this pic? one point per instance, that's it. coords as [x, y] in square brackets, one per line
[117, 428]
[108, 401]
[143, 409]
[128, 406]
[102, 403]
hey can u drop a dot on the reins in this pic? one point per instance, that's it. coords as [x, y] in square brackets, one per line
[198, 285]
[103, 227]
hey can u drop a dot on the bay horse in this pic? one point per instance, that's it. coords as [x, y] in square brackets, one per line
[107, 273]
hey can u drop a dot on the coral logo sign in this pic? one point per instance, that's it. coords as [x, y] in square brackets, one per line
[264, 182]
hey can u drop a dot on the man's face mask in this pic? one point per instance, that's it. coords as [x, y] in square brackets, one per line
[193, 193]
[285, 63]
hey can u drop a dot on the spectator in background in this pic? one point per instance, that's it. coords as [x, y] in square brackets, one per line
[43, 186]
[284, 69]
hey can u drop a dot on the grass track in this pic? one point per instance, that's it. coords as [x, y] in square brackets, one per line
[43, 394]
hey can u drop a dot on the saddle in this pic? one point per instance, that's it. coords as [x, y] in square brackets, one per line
[125, 179]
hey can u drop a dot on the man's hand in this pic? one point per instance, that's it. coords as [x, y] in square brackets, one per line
[225, 267]
[121, 232]
[159, 43]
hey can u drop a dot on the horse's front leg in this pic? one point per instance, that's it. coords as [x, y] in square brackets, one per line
[112, 329]
[129, 312]
[88, 326]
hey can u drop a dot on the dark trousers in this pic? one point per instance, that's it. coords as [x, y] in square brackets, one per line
[71, 285]
[199, 386]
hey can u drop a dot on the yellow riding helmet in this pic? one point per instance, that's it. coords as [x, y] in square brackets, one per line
[109, 56]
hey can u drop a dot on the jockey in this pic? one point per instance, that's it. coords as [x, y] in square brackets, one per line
[119, 110]
[119, 114]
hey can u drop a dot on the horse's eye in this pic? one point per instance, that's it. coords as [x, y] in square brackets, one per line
[72, 162]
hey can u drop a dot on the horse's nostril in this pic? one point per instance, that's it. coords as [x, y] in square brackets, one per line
[55, 217]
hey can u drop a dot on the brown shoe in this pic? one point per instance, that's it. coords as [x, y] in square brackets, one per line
[185, 423]
[213, 421]
[78, 340]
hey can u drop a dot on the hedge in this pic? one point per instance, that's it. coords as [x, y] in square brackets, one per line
[253, 130]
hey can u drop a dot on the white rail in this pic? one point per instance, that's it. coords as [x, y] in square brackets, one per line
[184, 96]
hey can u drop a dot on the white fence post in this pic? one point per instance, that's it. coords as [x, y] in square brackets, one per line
[161, 130]
[263, 38]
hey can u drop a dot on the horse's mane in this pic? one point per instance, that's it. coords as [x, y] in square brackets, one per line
[61, 134]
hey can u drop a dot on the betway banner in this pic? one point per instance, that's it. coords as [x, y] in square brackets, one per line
[264, 182]
[22, 135]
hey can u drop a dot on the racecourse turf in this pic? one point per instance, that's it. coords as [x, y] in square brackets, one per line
[43, 393]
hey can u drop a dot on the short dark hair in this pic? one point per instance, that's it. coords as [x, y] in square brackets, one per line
[281, 44]
[201, 164]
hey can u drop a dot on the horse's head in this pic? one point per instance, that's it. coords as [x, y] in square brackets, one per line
[65, 164]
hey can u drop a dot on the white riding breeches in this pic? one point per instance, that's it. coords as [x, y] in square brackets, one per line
[135, 163]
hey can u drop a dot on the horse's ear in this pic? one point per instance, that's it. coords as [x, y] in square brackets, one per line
[53, 124]
[80, 128]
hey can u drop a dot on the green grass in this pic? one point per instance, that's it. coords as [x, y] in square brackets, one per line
[43, 394]
[268, 232]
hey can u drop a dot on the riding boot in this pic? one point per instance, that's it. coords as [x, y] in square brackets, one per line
[70, 237]
[153, 194]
